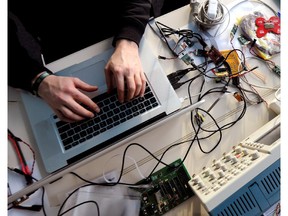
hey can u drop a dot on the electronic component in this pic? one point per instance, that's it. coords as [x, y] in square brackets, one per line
[215, 55]
[265, 26]
[243, 41]
[232, 60]
[234, 63]
[189, 42]
[238, 96]
[276, 69]
[246, 180]
[187, 58]
[234, 30]
[265, 47]
[169, 188]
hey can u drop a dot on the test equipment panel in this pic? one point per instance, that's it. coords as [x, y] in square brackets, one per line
[246, 180]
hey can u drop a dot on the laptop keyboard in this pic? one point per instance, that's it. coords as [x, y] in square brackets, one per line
[112, 114]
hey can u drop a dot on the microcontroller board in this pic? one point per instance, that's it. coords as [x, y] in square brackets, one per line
[168, 188]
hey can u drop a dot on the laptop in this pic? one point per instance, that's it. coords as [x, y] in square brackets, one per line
[61, 144]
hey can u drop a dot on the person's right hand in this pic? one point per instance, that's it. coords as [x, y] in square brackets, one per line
[64, 96]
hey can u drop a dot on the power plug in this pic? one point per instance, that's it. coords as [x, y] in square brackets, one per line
[212, 9]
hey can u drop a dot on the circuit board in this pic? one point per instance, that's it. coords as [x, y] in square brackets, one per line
[169, 188]
[232, 60]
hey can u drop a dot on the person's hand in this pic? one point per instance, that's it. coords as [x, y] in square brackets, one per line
[124, 70]
[64, 96]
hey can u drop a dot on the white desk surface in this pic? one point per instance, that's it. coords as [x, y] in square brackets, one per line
[157, 140]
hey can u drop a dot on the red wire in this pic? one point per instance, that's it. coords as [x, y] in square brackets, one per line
[24, 167]
[33, 153]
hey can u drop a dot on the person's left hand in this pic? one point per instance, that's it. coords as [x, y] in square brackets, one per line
[124, 70]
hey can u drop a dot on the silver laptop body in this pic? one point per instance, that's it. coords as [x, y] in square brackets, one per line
[42, 118]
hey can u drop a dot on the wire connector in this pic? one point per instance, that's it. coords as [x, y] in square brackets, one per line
[199, 118]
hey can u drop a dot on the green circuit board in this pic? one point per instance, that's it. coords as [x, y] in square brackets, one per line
[169, 188]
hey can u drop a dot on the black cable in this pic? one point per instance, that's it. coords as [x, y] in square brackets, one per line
[42, 200]
[66, 199]
[199, 126]
[226, 126]
[158, 160]
[166, 150]
[230, 124]
[218, 130]
[184, 33]
[33, 207]
[164, 37]
[260, 99]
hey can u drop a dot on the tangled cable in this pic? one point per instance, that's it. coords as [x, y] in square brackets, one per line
[202, 16]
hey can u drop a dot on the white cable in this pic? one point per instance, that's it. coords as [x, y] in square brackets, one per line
[278, 94]
[259, 86]
[135, 163]
[204, 18]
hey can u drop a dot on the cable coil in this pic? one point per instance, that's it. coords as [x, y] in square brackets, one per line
[200, 14]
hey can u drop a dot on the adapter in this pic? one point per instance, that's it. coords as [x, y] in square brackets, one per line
[212, 9]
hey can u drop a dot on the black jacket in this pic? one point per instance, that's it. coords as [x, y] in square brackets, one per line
[56, 30]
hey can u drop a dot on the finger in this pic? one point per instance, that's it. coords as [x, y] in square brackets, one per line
[138, 85]
[120, 88]
[84, 86]
[67, 116]
[143, 87]
[83, 106]
[83, 99]
[109, 79]
[131, 87]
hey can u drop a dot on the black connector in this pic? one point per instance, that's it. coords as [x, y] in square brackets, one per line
[29, 179]
[176, 76]
[176, 85]
[200, 53]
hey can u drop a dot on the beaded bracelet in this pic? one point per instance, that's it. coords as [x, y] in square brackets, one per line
[38, 81]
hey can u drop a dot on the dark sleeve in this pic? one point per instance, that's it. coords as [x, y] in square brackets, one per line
[133, 18]
[24, 55]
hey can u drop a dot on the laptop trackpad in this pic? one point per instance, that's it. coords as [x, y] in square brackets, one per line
[91, 72]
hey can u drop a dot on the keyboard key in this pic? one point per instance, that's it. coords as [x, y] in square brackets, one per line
[112, 114]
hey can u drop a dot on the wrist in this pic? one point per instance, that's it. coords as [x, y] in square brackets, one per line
[38, 80]
[126, 42]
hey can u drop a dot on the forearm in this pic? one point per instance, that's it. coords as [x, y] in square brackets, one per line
[134, 17]
[22, 69]
[24, 60]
